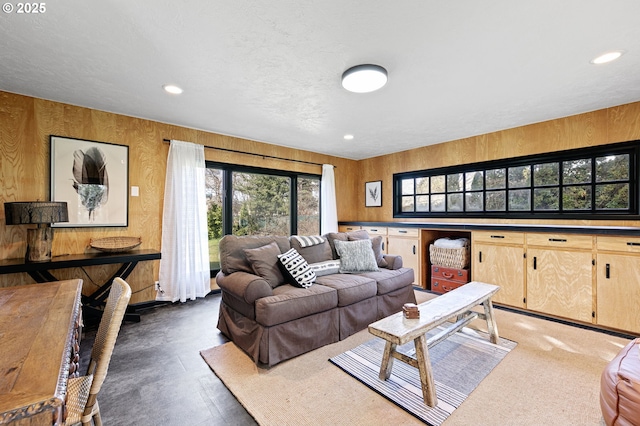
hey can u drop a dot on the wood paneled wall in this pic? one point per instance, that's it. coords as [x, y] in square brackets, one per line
[617, 124]
[25, 126]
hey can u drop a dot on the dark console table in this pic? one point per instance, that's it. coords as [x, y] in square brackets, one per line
[92, 304]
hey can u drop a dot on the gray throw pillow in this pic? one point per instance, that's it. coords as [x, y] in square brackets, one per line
[264, 261]
[356, 256]
[376, 243]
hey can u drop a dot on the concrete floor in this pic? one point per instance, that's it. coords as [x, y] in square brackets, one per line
[156, 375]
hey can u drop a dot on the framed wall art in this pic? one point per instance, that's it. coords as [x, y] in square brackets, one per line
[93, 178]
[373, 194]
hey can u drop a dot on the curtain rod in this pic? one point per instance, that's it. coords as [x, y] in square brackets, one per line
[253, 153]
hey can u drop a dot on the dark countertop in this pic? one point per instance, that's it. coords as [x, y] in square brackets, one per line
[564, 229]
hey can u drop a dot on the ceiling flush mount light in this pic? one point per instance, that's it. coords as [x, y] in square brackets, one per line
[170, 88]
[607, 57]
[364, 78]
[348, 137]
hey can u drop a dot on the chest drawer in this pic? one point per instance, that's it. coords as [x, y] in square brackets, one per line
[621, 244]
[375, 230]
[348, 228]
[451, 274]
[498, 237]
[404, 232]
[443, 286]
[561, 240]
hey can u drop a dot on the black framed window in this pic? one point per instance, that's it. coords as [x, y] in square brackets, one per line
[254, 201]
[597, 182]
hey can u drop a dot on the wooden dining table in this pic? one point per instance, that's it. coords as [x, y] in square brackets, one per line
[40, 328]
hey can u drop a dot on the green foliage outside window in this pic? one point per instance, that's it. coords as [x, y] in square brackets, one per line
[596, 181]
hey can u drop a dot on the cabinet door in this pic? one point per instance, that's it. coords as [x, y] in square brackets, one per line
[503, 266]
[618, 291]
[560, 283]
[409, 249]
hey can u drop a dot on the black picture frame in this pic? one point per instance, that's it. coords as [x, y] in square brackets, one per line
[93, 179]
[373, 194]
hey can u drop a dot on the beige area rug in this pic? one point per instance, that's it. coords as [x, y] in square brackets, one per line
[551, 378]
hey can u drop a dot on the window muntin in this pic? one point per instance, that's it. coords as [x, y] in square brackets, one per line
[594, 181]
[252, 201]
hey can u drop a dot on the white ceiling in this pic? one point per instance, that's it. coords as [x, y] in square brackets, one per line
[270, 71]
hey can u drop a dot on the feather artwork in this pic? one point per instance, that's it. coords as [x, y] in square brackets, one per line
[373, 193]
[91, 180]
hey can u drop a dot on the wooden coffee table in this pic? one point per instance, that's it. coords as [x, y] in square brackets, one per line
[454, 307]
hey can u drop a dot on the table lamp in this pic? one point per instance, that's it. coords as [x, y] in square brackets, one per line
[39, 239]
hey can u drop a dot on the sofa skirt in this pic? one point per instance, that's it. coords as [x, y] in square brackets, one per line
[271, 345]
[390, 303]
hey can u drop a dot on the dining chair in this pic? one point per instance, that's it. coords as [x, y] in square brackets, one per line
[82, 392]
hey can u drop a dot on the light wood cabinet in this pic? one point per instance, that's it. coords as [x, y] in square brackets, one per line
[406, 242]
[498, 258]
[375, 231]
[560, 275]
[348, 228]
[618, 283]
[582, 277]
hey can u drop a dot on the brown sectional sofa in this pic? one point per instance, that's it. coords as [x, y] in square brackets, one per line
[273, 320]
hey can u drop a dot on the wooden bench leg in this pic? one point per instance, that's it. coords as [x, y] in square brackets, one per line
[387, 361]
[492, 326]
[424, 367]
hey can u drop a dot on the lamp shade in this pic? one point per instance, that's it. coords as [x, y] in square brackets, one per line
[364, 78]
[38, 212]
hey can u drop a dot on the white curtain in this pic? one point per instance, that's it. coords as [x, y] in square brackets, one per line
[184, 266]
[328, 209]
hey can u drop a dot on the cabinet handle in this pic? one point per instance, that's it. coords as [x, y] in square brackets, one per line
[479, 257]
[374, 230]
[633, 244]
[497, 236]
[607, 273]
[557, 240]
[447, 275]
[414, 249]
[402, 232]
[382, 245]
[535, 262]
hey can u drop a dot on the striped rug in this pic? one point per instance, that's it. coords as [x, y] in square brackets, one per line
[459, 364]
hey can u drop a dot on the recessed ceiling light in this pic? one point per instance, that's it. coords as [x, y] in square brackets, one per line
[170, 88]
[364, 78]
[607, 57]
[348, 137]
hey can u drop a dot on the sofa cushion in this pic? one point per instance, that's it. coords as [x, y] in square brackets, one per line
[232, 256]
[356, 256]
[351, 288]
[390, 280]
[313, 253]
[291, 303]
[264, 262]
[327, 267]
[376, 244]
[297, 269]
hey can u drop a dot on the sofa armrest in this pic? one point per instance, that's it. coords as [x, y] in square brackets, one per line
[393, 261]
[244, 286]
